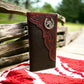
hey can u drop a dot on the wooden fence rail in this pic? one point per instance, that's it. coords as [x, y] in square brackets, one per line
[14, 42]
[6, 7]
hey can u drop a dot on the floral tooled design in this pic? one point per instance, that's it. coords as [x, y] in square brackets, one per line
[46, 24]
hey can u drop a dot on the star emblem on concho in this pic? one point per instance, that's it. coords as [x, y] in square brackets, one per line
[49, 23]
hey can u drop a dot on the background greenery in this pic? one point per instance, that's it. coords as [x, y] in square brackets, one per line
[16, 18]
[72, 10]
[20, 18]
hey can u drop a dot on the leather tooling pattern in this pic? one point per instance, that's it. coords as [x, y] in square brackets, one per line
[47, 23]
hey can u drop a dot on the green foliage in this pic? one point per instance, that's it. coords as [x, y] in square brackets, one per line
[17, 2]
[47, 8]
[81, 13]
[70, 9]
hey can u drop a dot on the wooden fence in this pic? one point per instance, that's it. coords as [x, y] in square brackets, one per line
[14, 42]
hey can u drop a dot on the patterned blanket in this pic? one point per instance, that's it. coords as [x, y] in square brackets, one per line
[67, 71]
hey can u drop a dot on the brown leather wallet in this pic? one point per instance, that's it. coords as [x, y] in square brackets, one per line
[42, 29]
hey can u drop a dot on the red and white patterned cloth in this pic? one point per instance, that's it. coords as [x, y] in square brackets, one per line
[67, 71]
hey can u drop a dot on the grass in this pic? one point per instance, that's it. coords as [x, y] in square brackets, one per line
[19, 18]
[8, 41]
[73, 26]
[16, 18]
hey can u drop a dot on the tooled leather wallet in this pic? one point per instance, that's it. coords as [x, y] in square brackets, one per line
[42, 28]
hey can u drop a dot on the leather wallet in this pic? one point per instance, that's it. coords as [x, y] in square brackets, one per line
[42, 28]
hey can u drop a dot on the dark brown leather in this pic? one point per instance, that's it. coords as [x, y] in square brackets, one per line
[42, 40]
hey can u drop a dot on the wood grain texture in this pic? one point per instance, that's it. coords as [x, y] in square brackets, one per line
[14, 48]
[61, 43]
[6, 7]
[5, 61]
[11, 31]
[61, 29]
[60, 37]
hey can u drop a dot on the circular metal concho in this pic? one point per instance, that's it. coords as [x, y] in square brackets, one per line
[49, 23]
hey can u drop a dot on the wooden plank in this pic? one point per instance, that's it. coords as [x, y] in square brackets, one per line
[11, 31]
[61, 43]
[6, 7]
[5, 61]
[61, 29]
[13, 48]
[61, 19]
[60, 37]
[19, 46]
